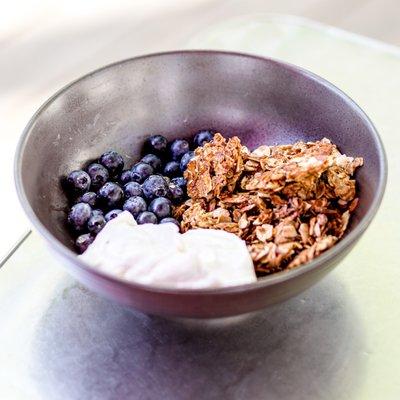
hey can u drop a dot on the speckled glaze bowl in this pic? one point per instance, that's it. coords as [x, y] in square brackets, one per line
[263, 101]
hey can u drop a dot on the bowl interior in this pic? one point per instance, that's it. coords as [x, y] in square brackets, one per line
[177, 94]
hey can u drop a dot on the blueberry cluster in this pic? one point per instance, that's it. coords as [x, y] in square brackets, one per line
[148, 190]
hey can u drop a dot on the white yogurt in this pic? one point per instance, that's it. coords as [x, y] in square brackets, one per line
[159, 255]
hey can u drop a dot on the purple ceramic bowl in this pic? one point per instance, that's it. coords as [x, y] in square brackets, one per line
[262, 101]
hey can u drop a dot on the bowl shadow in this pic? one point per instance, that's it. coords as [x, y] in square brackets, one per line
[309, 347]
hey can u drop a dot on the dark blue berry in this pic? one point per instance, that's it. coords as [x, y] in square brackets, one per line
[133, 189]
[176, 193]
[156, 144]
[89, 198]
[83, 242]
[186, 158]
[96, 224]
[112, 214]
[79, 216]
[141, 171]
[152, 160]
[161, 207]
[155, 186]
[113, 162]
[98, 174]
[203, 137]
[146, 217]
[78, 181]
[97, 212]
[172, 169]
[126, 176]
[170, 220]
[179, 181]
[135, 205]
[110, 194]
[178, 148]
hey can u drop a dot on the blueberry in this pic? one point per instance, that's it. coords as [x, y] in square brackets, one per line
[167, 179]
[78, 181]
[186, 158]
[97, 212]
[178, 148]
[96, 224]
[89, 198]
[155, 186]
[79, 216]
[152, 160]
[141, 171]
[110, 194]
[133, 189]
[176, 193]
[113, 162]
[156, 144]
[83, 242]
[161, 207]
[98, 174]
[172, 169]
[170, 220]
[146, 217]
[179, 181]
[135, 205]
[203, 137]
[112, 214]
[126, 176]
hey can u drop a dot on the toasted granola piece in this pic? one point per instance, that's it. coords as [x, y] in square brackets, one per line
[285, 232]
[178, 211]
[345, 221]
[264, 232]
[338, 223]
[313, 251]
[270, 257]
[342, 185]
[197, 217]
[263, 218]
[243, 222]
[304, 231]
[349, 164]
[215, 168]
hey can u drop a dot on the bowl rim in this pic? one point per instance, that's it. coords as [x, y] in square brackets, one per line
[262, 282]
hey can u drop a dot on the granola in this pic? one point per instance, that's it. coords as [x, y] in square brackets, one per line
[288, 202]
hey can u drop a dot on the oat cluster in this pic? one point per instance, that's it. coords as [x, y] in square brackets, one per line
[289, 202]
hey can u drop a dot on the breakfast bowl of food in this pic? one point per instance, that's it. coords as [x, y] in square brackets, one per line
[200, 184]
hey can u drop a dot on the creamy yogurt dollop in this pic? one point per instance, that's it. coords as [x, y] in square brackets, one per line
[159, 255]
